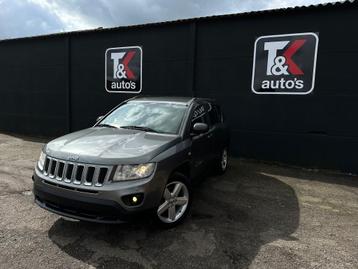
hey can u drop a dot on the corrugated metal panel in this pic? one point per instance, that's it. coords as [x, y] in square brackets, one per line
[216, 17]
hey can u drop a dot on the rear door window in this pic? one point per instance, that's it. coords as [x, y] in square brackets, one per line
[215, 115]
[201, 114]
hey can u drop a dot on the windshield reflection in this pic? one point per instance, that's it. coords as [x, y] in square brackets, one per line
[159, 117]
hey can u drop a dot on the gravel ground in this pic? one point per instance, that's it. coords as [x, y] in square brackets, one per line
[256, 216]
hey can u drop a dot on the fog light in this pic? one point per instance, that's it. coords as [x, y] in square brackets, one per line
[133, 199]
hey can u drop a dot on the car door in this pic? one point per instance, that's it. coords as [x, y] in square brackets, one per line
[218, 130]
[202, 144]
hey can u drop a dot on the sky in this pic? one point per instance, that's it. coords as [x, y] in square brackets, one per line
[20, 18]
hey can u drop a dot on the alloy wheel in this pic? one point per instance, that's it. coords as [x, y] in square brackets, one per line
[174, 202]
[224, 160]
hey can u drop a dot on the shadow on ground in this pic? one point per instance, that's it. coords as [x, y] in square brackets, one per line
[296, 172]
[232, 217]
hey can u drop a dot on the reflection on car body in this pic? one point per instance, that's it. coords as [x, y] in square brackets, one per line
[142, 156]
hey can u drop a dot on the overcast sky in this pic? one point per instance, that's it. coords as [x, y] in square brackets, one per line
[20, 18]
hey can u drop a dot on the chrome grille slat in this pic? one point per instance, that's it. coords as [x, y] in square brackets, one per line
[47, 161]
[106, 178]
[92, 175]
[84, 176]
[71, 168]
[73, 176]
[64, 171]
[49, 167]
[95, 177]
[56, 169]
[52, 163]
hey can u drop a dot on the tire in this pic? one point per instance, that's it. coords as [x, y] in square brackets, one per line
[175, 203]
[222, 162]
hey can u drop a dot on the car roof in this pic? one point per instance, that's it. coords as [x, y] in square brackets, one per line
[175, 99]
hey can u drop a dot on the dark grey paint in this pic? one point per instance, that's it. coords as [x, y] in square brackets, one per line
[109, 146]
[101, 145]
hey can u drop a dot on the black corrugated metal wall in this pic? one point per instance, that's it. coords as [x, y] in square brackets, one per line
[52, 85]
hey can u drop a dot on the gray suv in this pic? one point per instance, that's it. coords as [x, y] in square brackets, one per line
[143, 156]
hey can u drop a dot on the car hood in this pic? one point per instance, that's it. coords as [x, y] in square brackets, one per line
[101, 145]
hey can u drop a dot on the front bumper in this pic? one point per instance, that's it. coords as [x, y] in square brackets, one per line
[98, 204]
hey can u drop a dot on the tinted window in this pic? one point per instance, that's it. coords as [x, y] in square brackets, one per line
[200, 114]
[215, 115]
[161, 117]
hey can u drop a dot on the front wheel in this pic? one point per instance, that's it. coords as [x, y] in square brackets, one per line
[175, 202]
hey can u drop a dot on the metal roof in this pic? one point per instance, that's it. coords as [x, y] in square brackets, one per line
[346, 3]
[166, 99]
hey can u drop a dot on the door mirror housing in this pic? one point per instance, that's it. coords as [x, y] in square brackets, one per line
[99, 118]
[200, 128]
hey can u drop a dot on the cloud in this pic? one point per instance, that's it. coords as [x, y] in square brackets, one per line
[20, 18]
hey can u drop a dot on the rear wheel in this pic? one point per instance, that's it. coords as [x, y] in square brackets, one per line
[221, 164]
[175, 202]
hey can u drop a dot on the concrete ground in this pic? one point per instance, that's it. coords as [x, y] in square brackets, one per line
[256, 216]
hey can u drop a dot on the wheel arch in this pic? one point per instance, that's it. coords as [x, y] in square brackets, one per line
[184, 169]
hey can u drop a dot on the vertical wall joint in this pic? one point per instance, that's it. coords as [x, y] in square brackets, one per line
[68, 97]
[193, 52]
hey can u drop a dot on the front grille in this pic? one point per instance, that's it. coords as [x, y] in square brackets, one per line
[76, 173]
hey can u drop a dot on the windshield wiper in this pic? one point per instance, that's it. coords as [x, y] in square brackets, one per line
[141, 128]
[106, 125]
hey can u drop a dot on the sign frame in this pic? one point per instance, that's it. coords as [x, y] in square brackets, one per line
[315, 35]
[141, 69]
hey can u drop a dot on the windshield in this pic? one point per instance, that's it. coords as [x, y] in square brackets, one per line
[150, 116]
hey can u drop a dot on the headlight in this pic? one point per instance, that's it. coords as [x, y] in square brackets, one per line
[130, 172]
[41, 161]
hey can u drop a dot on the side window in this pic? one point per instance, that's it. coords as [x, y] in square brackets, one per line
[200, 114]
[220, 114]
[215, 115]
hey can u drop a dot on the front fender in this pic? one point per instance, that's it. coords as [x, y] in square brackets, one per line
[173, 157]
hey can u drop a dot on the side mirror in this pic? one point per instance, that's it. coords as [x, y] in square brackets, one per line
[99, 118]
[200, 128]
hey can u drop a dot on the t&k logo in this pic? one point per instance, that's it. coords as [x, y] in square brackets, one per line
[285, 64]
[123, 70]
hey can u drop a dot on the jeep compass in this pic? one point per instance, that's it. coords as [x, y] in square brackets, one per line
[143, 156]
